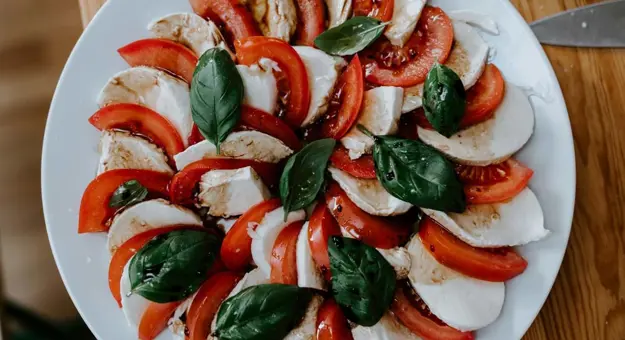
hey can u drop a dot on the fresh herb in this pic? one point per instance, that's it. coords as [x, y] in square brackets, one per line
[266, 311]
[172, 266]
[304, 175]
[363, 282]
[129, 193]
[444, 100]
[216, 95]
[350, 37]
[416, 173]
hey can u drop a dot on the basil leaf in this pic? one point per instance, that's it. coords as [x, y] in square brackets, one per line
[304, 174]
[263, 312]
[216, 95]
[129, 193]
[172, 266]
[350, 37]
[363, 282]
[444, 100]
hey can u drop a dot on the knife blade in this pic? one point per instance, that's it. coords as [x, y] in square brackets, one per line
[597, 25]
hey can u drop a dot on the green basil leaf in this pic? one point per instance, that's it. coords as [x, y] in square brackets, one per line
[262, 312]
[172, 266]
[444, 100]
[216, 95]
[304, 175]
[129, 193]
[350, 37]
[363, 282]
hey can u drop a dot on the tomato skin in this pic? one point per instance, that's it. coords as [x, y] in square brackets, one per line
[517, 178]
[264, 122]
[183, 183]
[206, 303]
[236, 252]
[375, 231]
[331, 322]
[94, 206]
[321, 226]
[312, 21]
[164, 54]
[381, 10]
[293, 71]
[283, 255]
[155, 318]
[363, 167]
[238, 20]
[496, 265]
[484, 97]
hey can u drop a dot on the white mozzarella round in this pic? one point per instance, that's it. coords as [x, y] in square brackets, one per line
[155, 89]
[413, 98]
[512, 223]
[275, 18]
[399, 259]
[133, 305]
[492, 141]
[406, 13]
[123, 150]
[460, 301]
[308, 275]
[259, 83]
[478, 19]
[266, 233]
[388, 328]
[338, 11]
[369, 194]
[146, 216]
[225, 224]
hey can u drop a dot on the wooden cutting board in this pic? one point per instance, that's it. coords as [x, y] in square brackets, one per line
[588, 299]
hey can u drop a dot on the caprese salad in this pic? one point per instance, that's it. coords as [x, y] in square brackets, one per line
[300, 169]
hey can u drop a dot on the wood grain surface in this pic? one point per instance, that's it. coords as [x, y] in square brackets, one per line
[588, 299]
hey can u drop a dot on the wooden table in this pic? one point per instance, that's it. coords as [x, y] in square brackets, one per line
[588, 299]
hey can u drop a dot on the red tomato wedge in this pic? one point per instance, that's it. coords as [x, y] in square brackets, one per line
[206, 303]
[141, 120]
[154, 319]
[238, 20]
[389, 65]
[254, 119]
[161, 53]
[379, 9]
[184, 182]
[283, 256]
[494, 183]
[375, 231]
[312, 21]
[321, 226]
[419, 320]
[331, 322]
[94, 206]
[363, 167]
[292, 80]
[496, 265]
[236, 251]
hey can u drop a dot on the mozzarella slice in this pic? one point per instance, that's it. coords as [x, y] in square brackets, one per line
[369, 194]
[380, 113]
[241, 145]
[338, 11]
[260, 87]
[513, 223]
[323, 71]
[225, 224]
[189, 29]
[145, 216]
[492, 141]
[399, 259]
[307, 329]
[122, 150]
[481, 20]
[266, 233]
[308, 274]
[413, 98]
[231, 192]
[462, 302]
[275, 18]
[406, 13]
[388, 328]
[133, 305]
[155, 89]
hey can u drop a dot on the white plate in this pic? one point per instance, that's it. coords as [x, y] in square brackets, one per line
[70, 157]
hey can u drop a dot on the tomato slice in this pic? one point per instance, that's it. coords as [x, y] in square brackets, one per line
[494, 183]
[139, 119]
[94, 206]
[254, 119]
[389, 65]
[206, 303]
[379, 9]
[375, 231]
[283, 256]
[161, 53]
[236, 249]
[312, 21]
[363, 167]
[419, 320]
[184, 182]
[321, 226]
[154, 319]
[293, 84]
[496, 265]
[238, 20]
[331, 322]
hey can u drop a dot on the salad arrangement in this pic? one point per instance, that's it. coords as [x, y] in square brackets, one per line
[294, 169]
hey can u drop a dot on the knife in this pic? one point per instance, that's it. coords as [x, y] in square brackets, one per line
[597, 25]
